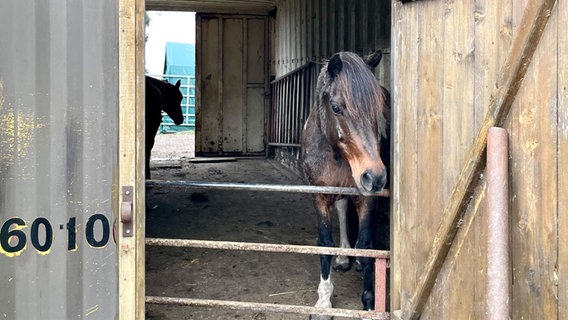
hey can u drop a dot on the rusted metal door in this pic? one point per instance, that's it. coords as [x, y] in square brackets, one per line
[232, 82]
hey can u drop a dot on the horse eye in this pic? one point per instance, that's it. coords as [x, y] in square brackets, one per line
[336, 108]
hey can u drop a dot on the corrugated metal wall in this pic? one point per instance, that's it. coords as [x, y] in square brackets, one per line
[313, 30]
[447, 60]
[58, 157]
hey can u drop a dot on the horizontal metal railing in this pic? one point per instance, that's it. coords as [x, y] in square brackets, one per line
[261, 187]
[381, 256]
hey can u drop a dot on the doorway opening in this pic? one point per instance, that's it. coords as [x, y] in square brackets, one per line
[170, 56]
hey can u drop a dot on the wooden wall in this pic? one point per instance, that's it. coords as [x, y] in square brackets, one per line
[446, 61]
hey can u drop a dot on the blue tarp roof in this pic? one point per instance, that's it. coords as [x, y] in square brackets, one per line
[180, 59]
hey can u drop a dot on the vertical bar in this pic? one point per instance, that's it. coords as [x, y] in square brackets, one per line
[298, 79]
[299, 115]
[380, 285]
[273, 101]
[276, 110]
[498, 264]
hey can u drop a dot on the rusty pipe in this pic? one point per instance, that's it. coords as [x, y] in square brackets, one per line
[380, 285]
[498, 264]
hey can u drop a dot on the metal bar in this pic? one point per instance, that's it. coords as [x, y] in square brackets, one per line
[277, 144]
[498, 264]
[267, 247]
[268, 307]
[261, 187]
[284, 76]
[380, 285]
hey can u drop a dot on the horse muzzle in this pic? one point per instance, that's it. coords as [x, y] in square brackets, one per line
[373, 182]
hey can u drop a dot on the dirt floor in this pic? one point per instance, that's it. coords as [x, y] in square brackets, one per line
[266, 217]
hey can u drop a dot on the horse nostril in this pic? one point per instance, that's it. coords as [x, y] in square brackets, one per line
[372, 182]
[367, 181]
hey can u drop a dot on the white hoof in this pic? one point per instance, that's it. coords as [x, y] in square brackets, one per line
[325, 290]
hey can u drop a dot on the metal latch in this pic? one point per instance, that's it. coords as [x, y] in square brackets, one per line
[127, 211]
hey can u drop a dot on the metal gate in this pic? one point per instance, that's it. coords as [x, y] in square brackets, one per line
[381, 257]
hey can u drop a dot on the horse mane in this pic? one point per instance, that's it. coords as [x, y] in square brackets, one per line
[160, 84]
[362, 90]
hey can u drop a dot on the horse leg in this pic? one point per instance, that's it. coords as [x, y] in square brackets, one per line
[342, 263]
[325, 287]
[364, 210]
[150, 138]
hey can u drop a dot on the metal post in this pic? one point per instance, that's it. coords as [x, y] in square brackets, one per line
[498, 264]
[380, 285]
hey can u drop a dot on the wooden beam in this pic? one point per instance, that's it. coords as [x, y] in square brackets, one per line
[523, 47]
[131, 274]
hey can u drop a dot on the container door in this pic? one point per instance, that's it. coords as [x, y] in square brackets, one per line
[60, 168]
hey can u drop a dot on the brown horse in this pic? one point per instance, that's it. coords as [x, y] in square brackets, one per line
[160, 95]
[345, 143]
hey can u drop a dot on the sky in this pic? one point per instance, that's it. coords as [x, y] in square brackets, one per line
[173, 26]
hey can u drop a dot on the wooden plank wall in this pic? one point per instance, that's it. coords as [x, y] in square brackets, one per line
[313, 30]
[446, 58]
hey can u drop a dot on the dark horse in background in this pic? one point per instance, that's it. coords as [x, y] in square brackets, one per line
[160, 95]
[345, 143]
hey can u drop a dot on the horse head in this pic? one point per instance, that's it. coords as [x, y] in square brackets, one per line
[172, 102]
[353, 116]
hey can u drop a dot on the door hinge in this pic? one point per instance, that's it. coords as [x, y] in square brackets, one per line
[127, 211]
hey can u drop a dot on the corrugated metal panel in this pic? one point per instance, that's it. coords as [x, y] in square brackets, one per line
[213, 6]
[58, 157]
[311, 30]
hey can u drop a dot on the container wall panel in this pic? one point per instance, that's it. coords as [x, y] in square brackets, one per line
[58, 159]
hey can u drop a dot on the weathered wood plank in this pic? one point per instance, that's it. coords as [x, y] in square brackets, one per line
[232, 99]
[534, 185]
[131, 273]
[524, 44]
[561, 275]
[458, 133]
[429, 132]
[493, 35]
[403, 225]
[207, 108]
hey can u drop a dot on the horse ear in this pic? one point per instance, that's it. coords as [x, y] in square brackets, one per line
[334, 66]
[178, 83]
[373, 59]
